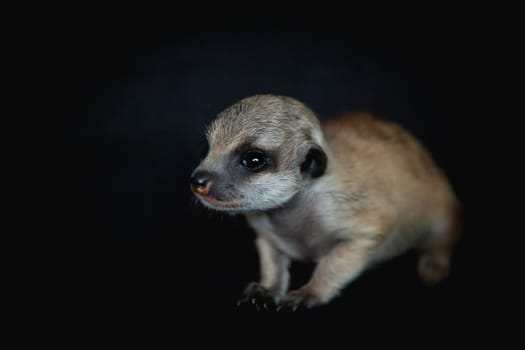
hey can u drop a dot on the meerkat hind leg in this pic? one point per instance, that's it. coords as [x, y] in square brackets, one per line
[436, 252]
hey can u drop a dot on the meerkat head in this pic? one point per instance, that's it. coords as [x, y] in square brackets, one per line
[261, 152]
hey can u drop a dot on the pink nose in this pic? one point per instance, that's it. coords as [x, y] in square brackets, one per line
[200, 183]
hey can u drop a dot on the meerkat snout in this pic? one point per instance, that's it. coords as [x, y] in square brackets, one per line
[346, 194]
[201, 182]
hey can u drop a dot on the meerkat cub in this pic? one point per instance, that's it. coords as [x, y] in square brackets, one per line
[346, 194]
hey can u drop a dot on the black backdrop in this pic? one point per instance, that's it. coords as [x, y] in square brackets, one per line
[137, 96]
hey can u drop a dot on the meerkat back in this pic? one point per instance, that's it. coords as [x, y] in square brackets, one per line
[382, 159]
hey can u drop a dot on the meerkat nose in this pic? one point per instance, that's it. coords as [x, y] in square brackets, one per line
[200, 183]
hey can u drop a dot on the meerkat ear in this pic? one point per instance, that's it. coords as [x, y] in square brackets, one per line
[315, 162]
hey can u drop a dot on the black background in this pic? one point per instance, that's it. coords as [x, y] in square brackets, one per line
[136, 92]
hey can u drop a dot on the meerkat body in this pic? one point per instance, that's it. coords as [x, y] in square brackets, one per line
[348, 193]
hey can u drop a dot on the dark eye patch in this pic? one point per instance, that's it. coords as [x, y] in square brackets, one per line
[254, 158]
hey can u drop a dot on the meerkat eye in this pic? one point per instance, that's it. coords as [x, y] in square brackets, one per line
[253, 160]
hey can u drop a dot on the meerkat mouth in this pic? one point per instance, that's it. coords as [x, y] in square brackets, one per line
[221, 204]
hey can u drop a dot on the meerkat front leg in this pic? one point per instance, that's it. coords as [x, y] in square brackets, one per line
[336, 269]
[274, 276]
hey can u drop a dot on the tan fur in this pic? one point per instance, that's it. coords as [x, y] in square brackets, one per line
[382, 158]
[380, 195]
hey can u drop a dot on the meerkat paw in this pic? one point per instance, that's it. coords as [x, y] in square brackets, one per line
[258, 296]
[300, 297]
[432, 269]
